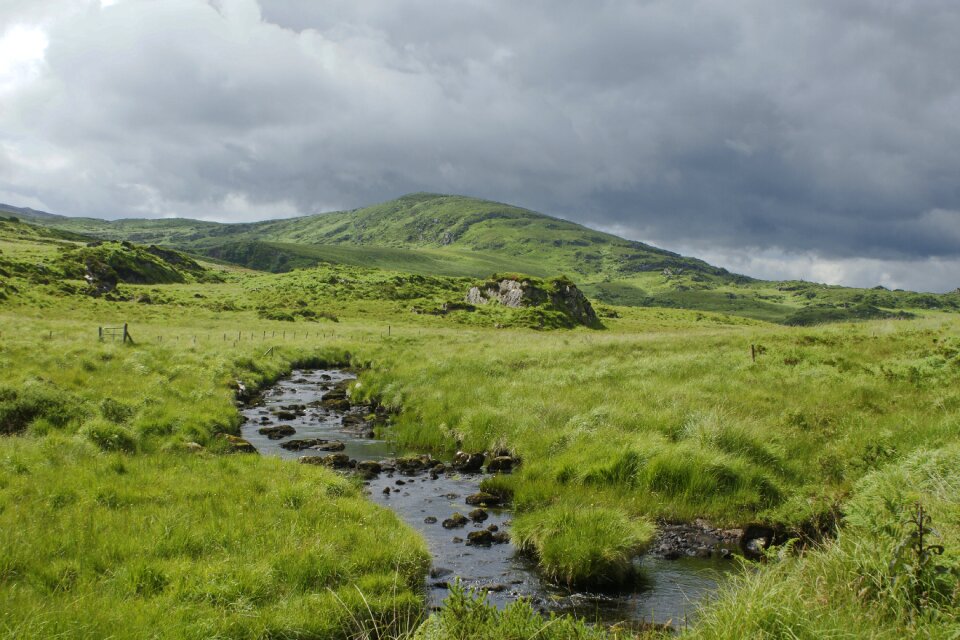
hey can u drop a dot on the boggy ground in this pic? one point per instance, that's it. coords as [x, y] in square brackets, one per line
[663, 415]
[618, 428]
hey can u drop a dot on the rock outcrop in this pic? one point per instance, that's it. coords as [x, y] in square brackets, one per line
[558, 295]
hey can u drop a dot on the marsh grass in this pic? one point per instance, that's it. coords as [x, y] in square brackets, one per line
[676, 421]
[852, 587]
[195, 545]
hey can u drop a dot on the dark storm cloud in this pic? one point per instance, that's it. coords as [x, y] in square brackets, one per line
[823, 129]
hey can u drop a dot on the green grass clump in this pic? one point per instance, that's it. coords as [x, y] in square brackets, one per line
[584, 545]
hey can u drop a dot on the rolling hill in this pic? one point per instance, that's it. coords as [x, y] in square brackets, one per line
[469, 234]
[450, 235]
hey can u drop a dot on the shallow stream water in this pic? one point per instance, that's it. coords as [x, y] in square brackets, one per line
[672, 588]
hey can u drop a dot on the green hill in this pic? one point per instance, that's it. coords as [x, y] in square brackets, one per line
[448, 235]
[472, 236]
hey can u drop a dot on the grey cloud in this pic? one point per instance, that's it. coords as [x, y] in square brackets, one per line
[823, 126]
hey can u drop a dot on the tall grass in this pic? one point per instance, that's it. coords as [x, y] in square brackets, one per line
[663, 419]
[185, 546]
[664, 415]
[851, 587]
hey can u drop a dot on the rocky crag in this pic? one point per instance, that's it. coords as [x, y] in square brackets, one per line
[559, 295]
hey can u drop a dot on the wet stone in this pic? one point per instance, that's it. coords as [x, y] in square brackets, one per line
[482, 538]
[430, 520]
[369, 466]
[334, 445]
[484, 498]
[334, 460]
[455, 521]
[277, 432]
[300, 445]
[468, 462]
[479, 515]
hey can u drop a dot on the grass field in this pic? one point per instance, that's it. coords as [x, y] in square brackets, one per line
[104, 504]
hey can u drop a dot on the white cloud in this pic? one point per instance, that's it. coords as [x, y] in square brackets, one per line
[936, 275]
[22, 50]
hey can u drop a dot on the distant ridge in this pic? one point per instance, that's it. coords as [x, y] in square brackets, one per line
[28, 213]
[415, 228]
[432, 234]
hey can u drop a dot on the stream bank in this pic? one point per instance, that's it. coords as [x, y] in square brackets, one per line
[308, 417]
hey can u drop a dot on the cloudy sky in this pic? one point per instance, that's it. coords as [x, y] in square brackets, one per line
[816, 139]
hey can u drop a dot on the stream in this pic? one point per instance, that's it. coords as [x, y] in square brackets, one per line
[671, 589]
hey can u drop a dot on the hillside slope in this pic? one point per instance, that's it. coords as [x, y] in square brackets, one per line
[447, 235]
[457, 226]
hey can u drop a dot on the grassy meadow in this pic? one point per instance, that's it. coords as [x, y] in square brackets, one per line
[123, 515]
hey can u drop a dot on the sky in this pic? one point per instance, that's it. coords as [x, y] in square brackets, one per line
[816, 139]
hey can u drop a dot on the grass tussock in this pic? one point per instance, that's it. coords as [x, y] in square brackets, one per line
[584, 545]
